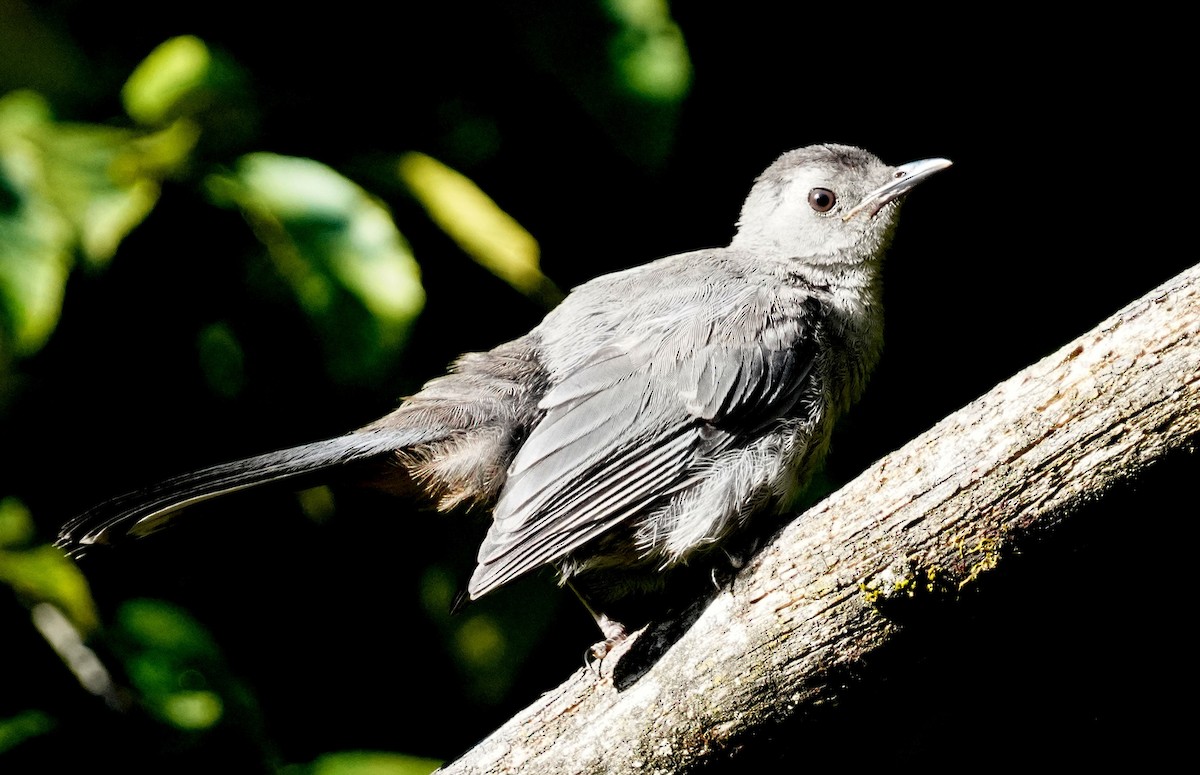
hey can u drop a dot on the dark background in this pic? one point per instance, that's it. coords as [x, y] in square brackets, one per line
[1057, 212]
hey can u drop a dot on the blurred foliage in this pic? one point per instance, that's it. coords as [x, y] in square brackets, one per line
[175, 666]
[183, 79]
[116, 247]
[25, 725]
[338, 251]
[82, 189]
[41, 574]
[365, 763]
[649, 52]
[67, 190]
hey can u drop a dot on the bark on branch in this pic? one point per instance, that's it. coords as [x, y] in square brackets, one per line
[931, 517]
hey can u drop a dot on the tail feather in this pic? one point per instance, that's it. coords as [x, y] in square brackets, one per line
[144, 511]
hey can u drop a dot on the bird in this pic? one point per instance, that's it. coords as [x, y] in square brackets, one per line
[650, 418]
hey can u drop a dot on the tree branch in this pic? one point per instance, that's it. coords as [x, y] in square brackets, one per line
[930, 518]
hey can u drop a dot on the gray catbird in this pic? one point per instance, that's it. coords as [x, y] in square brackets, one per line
[649, 417]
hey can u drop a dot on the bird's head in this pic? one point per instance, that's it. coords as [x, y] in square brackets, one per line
[827, 204]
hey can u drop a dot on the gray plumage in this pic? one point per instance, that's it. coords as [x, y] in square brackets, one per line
[652, 414]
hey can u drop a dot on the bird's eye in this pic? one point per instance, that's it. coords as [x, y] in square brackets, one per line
[822, 199]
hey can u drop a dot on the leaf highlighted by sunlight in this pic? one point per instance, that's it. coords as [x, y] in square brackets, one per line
[365, 763]
[173, 80]
[193, 709]
[337, 248]
[41, 573]
[177, 668]
[68, 188]
[484, 231]
[183, 80]
[649, 54]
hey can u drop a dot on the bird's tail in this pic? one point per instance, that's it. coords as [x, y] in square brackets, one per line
[145, 511]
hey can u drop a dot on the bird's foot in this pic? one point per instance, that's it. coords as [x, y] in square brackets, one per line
[615, 634]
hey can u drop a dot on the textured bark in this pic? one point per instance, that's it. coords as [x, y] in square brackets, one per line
[928, 519]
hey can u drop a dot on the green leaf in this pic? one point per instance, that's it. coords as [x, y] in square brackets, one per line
[222, 359]
[648, 53]
[193, 709]
[184, 81]
[173, 80]
[365, 763]
[159, 626]
[101, 181]
[23, 726]
[36, 239]
[176, 665]
[45, 574]
[67, 190]
[338, 250]
[477, 224]
[16, 523]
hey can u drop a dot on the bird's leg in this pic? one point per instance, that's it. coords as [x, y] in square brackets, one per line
[737, 557]
[614, 631]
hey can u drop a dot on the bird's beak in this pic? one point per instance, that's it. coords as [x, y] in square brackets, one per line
[906, 176]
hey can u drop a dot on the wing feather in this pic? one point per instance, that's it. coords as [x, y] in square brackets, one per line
[635, 422]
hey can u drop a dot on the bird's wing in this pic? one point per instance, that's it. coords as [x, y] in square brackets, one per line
[627, 428]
